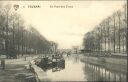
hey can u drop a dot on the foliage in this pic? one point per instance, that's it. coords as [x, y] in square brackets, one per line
[109, 35]
[18, 38]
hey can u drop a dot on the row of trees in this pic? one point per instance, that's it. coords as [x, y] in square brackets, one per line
[110, 35]
[18, 38]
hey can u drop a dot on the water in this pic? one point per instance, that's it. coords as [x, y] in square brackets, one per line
[76, 70]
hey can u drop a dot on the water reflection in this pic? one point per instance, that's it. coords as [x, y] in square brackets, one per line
[77, 70]
[73, 71]
[100, 73]
[97, 73]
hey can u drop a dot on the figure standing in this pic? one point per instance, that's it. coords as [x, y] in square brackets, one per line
[3, 63]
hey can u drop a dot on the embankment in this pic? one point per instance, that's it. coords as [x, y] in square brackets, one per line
[113, 64]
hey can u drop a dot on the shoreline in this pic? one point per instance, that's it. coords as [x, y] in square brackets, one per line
[113, 64]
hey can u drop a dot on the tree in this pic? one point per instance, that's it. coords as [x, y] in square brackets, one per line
[15, 39]
[109, 35]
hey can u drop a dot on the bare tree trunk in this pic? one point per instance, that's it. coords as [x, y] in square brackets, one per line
[13, 40]
[13, 34]
[114, 43]
[125, 10]
[105, 40]
[119, 32]
[101, 40]
[18, 45]
[108, 35]
[119, 39]
[6, 40]
[22, 42]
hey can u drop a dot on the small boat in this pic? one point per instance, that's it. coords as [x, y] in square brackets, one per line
[51, 62]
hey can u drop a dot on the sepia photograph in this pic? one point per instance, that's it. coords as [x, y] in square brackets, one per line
[63, 41]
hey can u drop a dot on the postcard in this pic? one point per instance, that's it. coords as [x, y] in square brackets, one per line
[63, 40]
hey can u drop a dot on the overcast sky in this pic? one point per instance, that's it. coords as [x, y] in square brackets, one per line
[67, 26]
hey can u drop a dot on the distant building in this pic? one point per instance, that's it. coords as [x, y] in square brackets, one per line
[75, 49]
[64, 50]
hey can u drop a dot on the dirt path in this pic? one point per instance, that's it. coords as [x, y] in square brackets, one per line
[13, 67]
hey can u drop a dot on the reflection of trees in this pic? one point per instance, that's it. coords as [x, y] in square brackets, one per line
[16, 37]
[76, 58]
[100, 73]
[109, 35]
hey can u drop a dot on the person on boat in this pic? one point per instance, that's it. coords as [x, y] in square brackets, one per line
[68, 53]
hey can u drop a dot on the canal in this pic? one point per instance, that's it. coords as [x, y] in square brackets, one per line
[77, 70]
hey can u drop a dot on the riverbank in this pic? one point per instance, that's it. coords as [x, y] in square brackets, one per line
[41, 75]
[15, 68]
[115, 64]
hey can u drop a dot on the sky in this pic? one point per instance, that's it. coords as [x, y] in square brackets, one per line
[67, 26]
